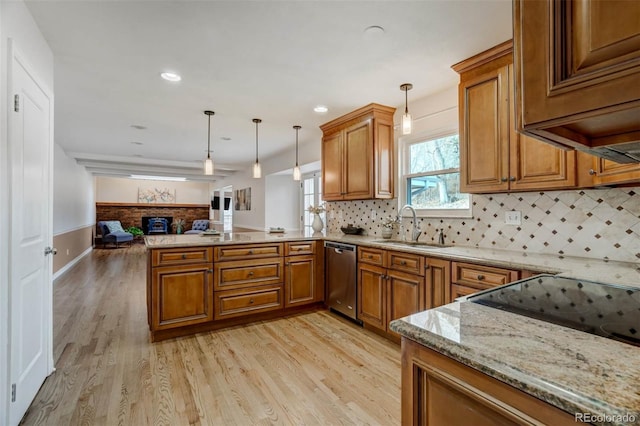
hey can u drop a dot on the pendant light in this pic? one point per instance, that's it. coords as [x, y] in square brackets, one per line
[296, 169]
[257, 170]
[406, 117]
[208, 162]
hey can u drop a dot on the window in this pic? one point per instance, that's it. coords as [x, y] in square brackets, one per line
[311, 195]
[430, 177]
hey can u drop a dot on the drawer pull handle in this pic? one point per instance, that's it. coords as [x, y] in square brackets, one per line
[403, 263]
[480, 277]
[251, 274]
[250, 251]
[184, 256]
[250, 300]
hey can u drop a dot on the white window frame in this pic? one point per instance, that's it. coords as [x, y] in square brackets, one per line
[317, 197]
[403, 153]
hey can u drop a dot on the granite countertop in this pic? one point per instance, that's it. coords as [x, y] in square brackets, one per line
[574, 371]
[199, 240]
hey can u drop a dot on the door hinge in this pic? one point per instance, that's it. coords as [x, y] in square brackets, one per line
[16, 103]
[13, 392]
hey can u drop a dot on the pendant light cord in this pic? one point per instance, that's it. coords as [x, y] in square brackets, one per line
[257, 121]
[297, 128]
[406, 100]
[209, 138]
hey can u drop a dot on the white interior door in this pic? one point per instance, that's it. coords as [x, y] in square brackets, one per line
[30, 226]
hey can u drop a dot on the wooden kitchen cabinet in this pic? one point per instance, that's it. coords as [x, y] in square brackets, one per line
[304, 277]
[372, 296]
[440, 391]
[358, 155]
[468, 278]
[607, 172]
[437, 282]
[390, 286]
[577, 67]
[493, 156]
[180, 294]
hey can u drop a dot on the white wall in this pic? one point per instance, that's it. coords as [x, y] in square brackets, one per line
[124, 190]
[282, 202]
[254, 218]
[74, 204]
[15, 23]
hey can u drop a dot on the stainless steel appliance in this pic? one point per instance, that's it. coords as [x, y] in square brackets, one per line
[606, 310]
[340, 276]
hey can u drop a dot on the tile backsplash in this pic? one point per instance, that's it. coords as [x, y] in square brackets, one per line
[594, 223]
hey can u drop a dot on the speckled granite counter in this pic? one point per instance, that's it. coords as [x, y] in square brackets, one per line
[574, 371]
[199, 240]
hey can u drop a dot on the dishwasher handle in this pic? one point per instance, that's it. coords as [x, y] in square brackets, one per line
[339, 247]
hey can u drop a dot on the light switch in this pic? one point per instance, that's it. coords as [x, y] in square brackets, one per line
[513, 217]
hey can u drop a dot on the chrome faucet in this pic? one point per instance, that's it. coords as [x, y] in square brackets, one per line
[415, 233]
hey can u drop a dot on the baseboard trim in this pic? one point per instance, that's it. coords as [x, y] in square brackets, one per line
[69, 265]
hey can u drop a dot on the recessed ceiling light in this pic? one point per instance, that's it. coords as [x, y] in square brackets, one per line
[138, 126]
[225, 138]
[137, 143]
[170, 76]
[321, 108]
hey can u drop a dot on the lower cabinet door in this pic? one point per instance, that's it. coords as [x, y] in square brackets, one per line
[299, 285]
[405, 295]
[236, 303]
[372, 296]
[181, 295]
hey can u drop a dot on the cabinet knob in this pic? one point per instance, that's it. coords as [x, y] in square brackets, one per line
[251, 273]
[250, 252]
[426, 266]
[504, 179]
[184, 256]
[369, 257]
[250, 300]
[592, 172]
[403, 263]
[512, 178]
[480, 277]
[209, 271]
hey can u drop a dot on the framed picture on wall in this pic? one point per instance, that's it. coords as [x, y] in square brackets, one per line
[243, 199]
[156, 195]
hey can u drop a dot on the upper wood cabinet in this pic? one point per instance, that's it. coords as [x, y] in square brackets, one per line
[493, 156]
[606, 172]
[358, 155]
[577, 67]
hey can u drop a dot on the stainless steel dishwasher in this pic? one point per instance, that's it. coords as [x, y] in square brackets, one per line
[340, 275]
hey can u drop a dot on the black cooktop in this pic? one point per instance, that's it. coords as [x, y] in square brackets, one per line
[606, 310]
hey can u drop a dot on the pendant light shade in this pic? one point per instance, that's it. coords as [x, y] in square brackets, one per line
[208, 162]
[406, 117]
[257, 169]
[296, 169]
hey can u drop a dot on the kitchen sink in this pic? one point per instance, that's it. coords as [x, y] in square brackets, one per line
[417, 244]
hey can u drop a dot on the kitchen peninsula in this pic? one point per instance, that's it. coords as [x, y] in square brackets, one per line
[491, 362]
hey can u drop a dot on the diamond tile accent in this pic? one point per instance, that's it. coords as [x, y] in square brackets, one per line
[596, 223]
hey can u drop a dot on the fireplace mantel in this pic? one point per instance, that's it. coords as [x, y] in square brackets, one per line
[150, 205]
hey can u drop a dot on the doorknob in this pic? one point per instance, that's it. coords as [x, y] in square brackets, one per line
[50, 250]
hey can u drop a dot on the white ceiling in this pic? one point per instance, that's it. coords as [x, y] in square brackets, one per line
[273, 60]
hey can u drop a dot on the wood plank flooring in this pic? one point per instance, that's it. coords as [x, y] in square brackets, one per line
[308, 369]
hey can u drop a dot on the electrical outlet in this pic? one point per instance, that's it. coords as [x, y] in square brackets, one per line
[513, 217]
[373, 214]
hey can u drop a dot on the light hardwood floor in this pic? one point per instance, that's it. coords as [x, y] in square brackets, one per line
[313, 368]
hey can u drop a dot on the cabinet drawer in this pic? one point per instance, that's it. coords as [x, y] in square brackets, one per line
[405, 262]
[372, 256]
[234, 303]
[461, 290]
[181, 256]
[248, 251]
[247, 273]
[299, 247]
[481, 277]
